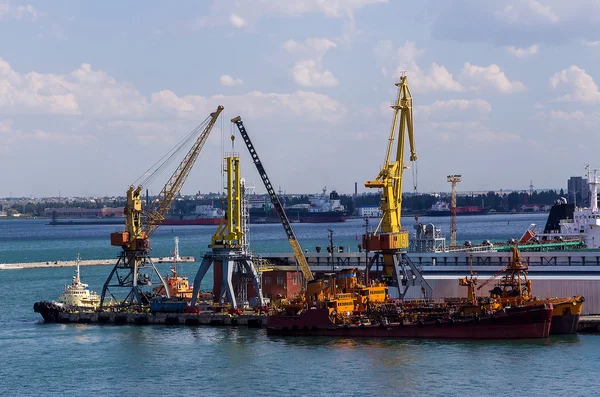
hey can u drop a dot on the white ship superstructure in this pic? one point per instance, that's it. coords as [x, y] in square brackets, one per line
[585, 222]
[326, 202]
[77, 295]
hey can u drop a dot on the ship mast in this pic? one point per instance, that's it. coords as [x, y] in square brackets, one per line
[77, 271]
[175, 256]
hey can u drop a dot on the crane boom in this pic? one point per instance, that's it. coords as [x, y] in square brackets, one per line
[489, 280]
[137, 232]
[165, 198]
[285, 222]
[389, 178]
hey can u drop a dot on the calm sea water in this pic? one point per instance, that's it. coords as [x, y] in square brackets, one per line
[58, 359]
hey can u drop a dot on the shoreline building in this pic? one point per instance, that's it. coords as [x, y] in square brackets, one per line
[578, 190]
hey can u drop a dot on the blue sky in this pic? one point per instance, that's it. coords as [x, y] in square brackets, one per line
[92, 94]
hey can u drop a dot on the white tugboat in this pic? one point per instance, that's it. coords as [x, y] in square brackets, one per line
[75, 296]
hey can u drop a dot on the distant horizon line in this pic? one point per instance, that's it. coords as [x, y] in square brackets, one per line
[460, 193]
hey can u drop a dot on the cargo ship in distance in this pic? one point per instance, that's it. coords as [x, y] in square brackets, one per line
[442, 208]
[203, 215]
[322, 208]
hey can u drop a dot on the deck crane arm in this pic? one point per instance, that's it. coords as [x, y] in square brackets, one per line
[137, 231]
[489, 280]
[298, 254]
[161, 206]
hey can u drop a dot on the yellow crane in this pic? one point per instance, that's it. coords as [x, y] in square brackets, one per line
[230, 255]
[389, 235]
[140, 223]
[389, 239]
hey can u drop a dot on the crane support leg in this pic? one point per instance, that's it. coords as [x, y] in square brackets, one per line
[204, 266]
[256, 280]
[129, 279]
[404, 274]
[411, 275]
[227, 284]
[228, 259]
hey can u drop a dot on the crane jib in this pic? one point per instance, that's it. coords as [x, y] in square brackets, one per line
[298, 254]
[263, 175]
[173, 186]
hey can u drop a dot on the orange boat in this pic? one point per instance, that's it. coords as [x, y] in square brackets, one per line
[515, 289]
[178, 285]
[345, 308]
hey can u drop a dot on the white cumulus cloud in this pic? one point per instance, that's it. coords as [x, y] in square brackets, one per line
[581, 86]
[521, 52]
[93, 93]
[309, 74]
[309, 71]
[436, 78]
[228, 80]
[480, 77]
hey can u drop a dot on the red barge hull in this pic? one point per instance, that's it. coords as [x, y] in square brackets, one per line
[515, 323]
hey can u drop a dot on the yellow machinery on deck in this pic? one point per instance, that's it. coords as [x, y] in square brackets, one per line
[390, 240]
[140, 223]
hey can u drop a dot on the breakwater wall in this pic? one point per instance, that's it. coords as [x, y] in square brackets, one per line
[89, 262]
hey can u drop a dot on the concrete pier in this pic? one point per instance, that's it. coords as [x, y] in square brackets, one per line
[89, 262]
[589, 324]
